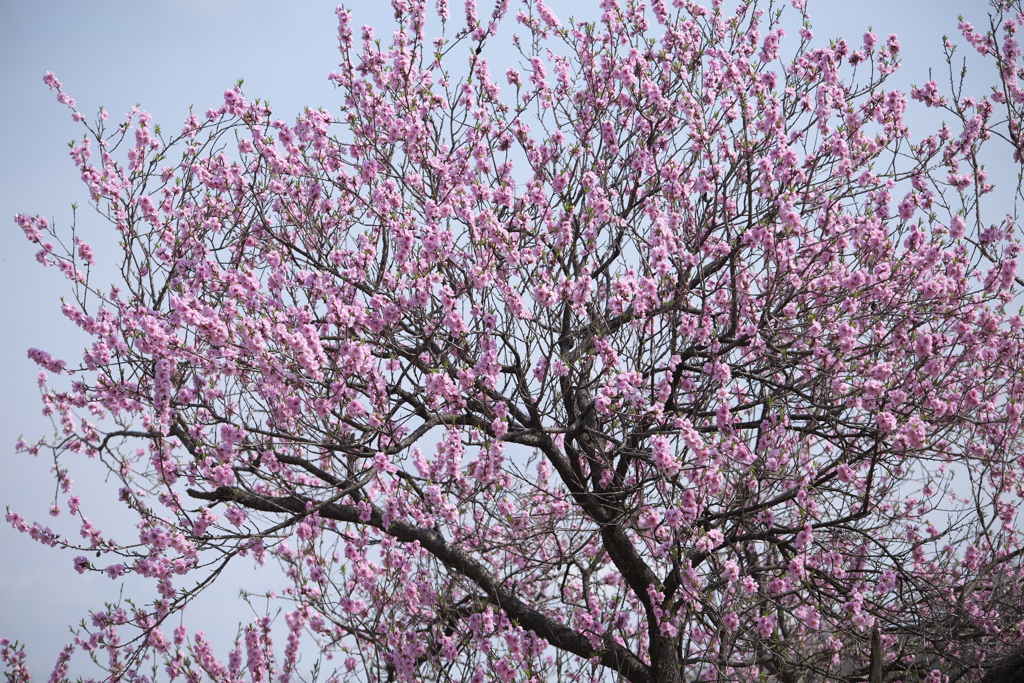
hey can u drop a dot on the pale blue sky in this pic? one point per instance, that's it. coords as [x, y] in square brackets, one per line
[166, 55]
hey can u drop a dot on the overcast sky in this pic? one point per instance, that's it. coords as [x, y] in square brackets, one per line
[165, 56]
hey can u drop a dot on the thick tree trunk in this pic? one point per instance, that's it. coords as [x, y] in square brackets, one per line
[665, 665]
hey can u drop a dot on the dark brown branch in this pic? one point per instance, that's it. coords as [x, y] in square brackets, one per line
[611, 655]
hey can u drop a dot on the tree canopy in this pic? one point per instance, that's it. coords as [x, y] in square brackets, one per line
[666, 354]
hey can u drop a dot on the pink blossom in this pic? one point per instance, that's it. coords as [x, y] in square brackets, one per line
[235, 515]
[667, 358]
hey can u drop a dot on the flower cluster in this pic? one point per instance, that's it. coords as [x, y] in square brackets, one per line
[656, 359]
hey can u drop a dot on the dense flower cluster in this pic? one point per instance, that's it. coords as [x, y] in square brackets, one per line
[655, 361]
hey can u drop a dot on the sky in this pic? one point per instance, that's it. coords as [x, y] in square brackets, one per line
[166, 56]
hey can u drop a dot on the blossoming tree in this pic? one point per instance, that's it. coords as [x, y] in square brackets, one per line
[653, 359]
